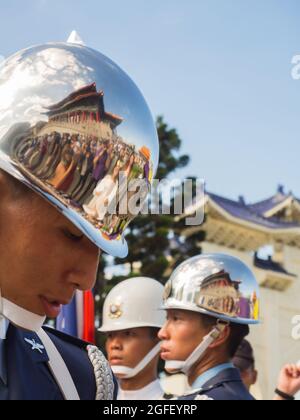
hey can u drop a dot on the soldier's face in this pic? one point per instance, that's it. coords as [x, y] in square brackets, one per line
[181, 335]
[44, 258]
[249, 377]
[129, 347]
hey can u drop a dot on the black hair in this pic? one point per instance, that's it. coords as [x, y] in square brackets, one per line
[238, 333]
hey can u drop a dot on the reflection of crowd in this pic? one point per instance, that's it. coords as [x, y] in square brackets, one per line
[86, 170]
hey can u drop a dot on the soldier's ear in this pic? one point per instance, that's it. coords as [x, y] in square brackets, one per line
[255, 377]
[223, 338]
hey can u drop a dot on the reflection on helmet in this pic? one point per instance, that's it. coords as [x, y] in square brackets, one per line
[217, 285]
[71, 123]
[77, 156]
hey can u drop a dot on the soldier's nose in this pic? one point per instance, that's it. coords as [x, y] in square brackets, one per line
[162, 334]
[116, 345]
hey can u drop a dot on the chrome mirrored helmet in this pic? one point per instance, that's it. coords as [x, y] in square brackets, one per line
[217, 285]
[72, 124]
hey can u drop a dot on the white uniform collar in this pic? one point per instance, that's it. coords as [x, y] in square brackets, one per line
[4, 324]
[19, 317]
[152, 391]
[3, 330]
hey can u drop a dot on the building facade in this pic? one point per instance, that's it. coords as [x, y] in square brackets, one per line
[266, 236]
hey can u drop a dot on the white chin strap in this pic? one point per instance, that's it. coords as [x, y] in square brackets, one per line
[123, 372]
[18, 316]
[177, 366]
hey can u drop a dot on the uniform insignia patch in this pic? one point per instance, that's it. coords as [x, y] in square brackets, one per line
[35, 345]
[115, 311]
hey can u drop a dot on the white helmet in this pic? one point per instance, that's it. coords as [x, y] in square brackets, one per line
[134, 303]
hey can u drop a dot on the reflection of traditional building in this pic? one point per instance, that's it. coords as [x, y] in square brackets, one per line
[84, 111]
[220, 293]
[78, 156]
[242, 230]
[220, 280]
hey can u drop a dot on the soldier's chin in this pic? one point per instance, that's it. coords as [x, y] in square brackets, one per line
[166, 355]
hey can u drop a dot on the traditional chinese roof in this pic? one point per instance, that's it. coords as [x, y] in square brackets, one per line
[238, 225]
[223, 277]
[250, 213]
[277, 203]
[82, 91]
[87, 96]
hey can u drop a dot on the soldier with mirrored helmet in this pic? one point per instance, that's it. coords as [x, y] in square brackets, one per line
[71, 121]
[210, 301]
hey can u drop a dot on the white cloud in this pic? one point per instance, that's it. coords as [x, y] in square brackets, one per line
[29, 85]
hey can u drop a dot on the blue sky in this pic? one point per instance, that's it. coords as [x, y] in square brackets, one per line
[218, 70]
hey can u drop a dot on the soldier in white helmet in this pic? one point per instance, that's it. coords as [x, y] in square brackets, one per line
[132, 317]
[210, 301]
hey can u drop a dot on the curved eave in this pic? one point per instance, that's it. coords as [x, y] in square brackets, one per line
[296, 203]
[279, 207]
[256, 226]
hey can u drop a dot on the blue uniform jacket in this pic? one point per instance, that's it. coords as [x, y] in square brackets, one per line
[27, 376]
[227, 385]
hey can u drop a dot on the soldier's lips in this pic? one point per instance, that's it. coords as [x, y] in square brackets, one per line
[115, 361]
[52, 308]
[164, 353]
